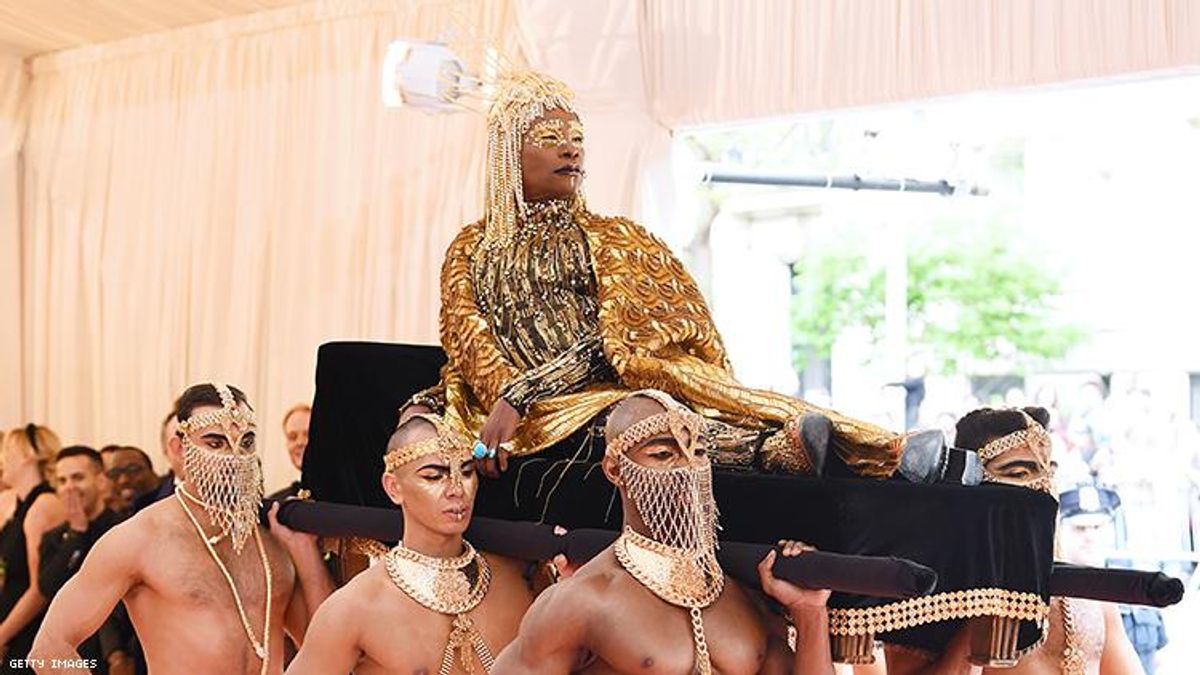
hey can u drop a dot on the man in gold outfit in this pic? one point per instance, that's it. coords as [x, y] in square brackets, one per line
[551, 314]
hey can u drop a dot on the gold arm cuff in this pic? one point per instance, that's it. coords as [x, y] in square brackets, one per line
[948, 606]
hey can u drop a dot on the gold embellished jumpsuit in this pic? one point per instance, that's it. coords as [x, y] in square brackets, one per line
[578, 310]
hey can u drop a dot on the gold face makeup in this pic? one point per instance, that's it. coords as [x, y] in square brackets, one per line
[443, 464]
[435, 478]
[552, 132]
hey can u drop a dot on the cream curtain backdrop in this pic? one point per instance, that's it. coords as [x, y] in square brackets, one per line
[215, 202]
[13, 81]
[713, 61]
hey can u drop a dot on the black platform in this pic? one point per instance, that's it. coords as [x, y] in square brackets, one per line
[973, 537]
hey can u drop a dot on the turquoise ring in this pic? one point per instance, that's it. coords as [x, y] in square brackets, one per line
[479, 450]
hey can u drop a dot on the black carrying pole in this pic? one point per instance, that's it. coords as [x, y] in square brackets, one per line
[881, 577]
[861, 575]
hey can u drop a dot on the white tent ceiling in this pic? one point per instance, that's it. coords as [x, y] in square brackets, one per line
[31, 27]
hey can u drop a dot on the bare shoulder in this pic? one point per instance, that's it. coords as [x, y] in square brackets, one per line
[585, 593]
[121, 550]
[160, 518]
[45, 512]
[354, 600]
[372, 594]
[505, 567]
[370, 584]
[154, 528]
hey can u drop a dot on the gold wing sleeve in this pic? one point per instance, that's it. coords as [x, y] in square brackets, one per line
[649, 303]
[470, 346]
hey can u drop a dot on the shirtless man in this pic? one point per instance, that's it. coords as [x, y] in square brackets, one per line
[1085, 637]
[202, 596]
[656, 601]
[433, 606]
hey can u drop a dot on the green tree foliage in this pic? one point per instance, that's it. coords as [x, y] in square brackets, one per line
[973, 294]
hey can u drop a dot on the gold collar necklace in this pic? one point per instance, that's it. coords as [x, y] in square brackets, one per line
[451, 586]
[691, 579]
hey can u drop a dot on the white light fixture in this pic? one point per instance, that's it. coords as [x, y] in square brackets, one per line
[424, 75]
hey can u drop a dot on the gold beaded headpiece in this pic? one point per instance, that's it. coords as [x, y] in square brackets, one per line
[685, 426]
[228, 484]
[233, 419]
[453, 446]
[1033, 436]
[520, 99]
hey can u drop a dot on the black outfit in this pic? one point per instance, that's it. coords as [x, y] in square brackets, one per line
[13, 555]
[62, 553]
[166, 488]
[561, 485]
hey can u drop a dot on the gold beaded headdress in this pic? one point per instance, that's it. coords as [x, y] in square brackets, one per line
[683, 424]
[228, 484]
[231, 417]
[1033, 436]
[520, 99]
[451, 445]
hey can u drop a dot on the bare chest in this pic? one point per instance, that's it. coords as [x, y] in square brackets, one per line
[185, 604]
[647, 635]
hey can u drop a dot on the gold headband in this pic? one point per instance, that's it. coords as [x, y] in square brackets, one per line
[683, 424]
[230, 414]
[520, 99]
[448, 443]
[1032, 434]
[1036, 437]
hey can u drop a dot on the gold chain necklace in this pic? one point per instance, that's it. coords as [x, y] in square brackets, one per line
[690, 579]
[444, 585]
[261, 649]
[1073, 658]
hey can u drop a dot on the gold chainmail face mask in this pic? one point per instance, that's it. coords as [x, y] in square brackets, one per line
[1033, 437]
[676, 505]
[520, 99]
[228, 478]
